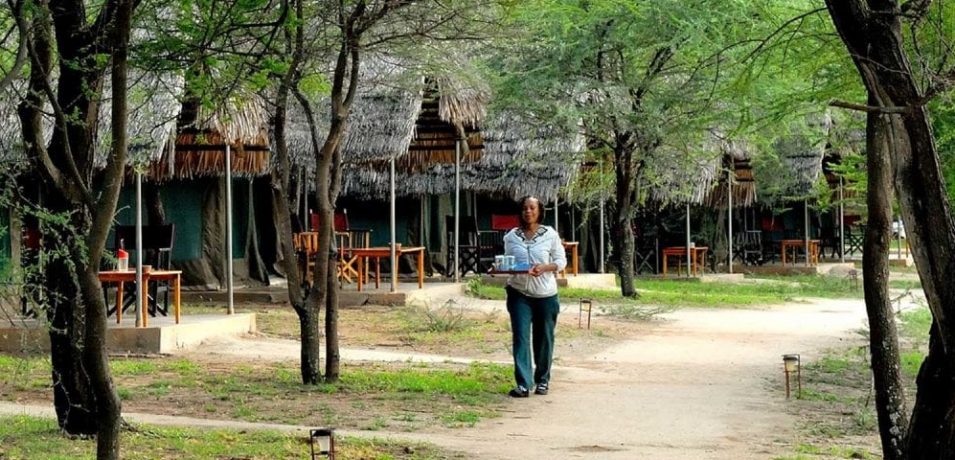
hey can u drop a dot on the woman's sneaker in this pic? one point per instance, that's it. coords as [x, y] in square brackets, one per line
[541, 389]
[519, 392]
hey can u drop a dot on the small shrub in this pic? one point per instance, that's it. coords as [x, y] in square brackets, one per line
[634, 312]
[447, 318]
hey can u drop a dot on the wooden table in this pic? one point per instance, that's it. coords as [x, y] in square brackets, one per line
[377, 253]
[697, 257]
[572, 246]
[813, 249]
[129, 276]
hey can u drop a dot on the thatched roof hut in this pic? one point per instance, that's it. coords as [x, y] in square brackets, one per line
[241, 122]
[397, 113]
[196, 151]
[153, 106]
[797, 164]
[519, 158]
[736, 157]
[677, 178]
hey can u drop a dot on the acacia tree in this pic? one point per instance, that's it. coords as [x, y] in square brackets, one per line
[66, 40]
[633, 76]
[347, 31]
[898, 94]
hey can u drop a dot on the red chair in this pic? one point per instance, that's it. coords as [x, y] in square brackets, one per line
[341, 221]
[505, 222]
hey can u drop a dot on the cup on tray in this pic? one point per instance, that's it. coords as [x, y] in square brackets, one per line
[499, 263]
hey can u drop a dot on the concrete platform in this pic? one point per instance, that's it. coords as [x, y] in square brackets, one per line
[592, 281]
[823, 268]
[162, 335]
[348, 295]
[583, 281]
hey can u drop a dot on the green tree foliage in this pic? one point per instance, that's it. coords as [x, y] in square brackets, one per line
[644, 82]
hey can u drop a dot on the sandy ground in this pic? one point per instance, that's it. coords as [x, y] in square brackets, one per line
[695, 384]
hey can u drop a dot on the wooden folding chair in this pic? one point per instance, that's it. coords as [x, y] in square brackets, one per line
[306, 246]
[347, 269]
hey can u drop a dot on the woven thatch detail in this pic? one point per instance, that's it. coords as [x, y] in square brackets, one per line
[203, 154]
[519, 159]
[802, 155]
[200, 149]
[462, 104]
[241, 120]
[153, 106]
[380, 126]
[743, 190]
[397, 113]
[675, 177]
[737, 154]
[436, 137]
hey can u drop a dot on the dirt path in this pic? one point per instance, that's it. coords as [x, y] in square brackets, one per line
[699, 383]
[696, 384]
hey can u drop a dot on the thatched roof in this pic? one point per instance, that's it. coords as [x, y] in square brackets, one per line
[802, 153]
[12, 148]
[519, 159]
[846, 137]
[675, 177]
[153, 105]
[460, 102]
[737, 154]
[397, 113]
[241, 122]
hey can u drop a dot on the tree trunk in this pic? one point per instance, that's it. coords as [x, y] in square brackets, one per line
[311, 347]
[332, 353]
[883, 338]
[73, 398]
[328, 160]
[622, 231]
[85, 399]
[281, 180]
[872, 33]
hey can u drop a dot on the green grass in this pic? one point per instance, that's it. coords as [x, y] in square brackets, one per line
[836, 407]
[33, 438]
[273, 392]
[905, 284]
[476, 380]
[915, 325]
[24, 374]
[914, 328]
[831, 451]
[674, 293]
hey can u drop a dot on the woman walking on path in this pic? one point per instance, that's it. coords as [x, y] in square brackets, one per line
[532, 300]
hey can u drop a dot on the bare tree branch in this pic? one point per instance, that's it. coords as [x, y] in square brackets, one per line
[869, 108]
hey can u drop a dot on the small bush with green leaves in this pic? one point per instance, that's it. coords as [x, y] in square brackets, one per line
[446, 318]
